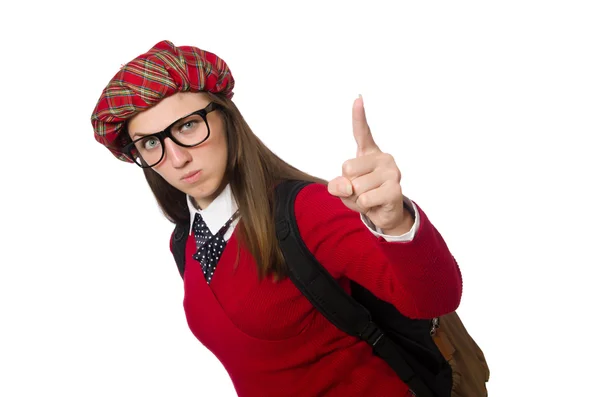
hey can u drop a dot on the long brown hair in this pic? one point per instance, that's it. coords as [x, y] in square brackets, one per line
[253, 171]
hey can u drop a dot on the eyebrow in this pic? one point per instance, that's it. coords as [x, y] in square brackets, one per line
[140, 135]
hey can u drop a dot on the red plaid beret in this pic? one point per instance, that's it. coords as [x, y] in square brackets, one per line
[161, 72]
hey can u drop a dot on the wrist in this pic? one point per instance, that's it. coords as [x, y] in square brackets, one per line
[405, 225]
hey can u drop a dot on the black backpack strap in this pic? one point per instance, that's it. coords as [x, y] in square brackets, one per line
[178, 241]
[327, 296]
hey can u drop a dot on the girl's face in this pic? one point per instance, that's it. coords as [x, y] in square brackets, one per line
[197, 171]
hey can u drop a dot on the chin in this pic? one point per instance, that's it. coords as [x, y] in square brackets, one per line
[206, 191]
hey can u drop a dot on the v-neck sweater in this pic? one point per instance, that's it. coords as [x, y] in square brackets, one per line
[273, 342]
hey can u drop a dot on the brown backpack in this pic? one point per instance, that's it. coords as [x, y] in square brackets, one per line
[470, 371]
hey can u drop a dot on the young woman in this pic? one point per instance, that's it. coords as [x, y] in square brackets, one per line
[170, 111]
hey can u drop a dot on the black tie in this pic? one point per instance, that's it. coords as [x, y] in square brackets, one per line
[209, 246]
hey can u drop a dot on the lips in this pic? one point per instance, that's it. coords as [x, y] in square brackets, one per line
[191, 176]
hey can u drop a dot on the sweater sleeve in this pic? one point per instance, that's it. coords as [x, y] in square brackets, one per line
[420, 277]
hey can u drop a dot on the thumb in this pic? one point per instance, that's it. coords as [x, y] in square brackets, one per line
[340, 187]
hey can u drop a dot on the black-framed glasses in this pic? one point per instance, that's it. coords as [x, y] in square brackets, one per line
[188, 131]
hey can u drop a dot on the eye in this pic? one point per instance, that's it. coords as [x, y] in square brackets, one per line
[151, 143]
[188, 125]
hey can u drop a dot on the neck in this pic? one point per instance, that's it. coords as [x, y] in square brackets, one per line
[202, 203]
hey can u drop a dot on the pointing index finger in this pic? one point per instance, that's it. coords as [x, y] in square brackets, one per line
[362, 133]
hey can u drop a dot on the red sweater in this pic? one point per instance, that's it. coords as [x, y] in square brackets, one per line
[273, 342]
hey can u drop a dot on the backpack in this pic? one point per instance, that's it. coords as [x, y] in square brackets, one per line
[434, 357]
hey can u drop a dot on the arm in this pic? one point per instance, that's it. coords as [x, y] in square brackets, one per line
[420, 277]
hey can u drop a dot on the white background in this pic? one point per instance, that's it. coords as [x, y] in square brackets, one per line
[490, 109]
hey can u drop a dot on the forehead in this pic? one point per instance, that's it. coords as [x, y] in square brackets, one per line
[161, 115]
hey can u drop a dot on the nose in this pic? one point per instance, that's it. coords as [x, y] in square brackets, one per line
[177, 155]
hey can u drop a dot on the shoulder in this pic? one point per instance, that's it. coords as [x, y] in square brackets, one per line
[333, 233]
[316, 208]
[316, 197]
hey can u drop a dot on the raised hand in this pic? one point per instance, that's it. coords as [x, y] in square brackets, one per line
[370, 183]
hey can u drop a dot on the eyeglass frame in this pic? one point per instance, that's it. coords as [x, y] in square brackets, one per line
[166, 133]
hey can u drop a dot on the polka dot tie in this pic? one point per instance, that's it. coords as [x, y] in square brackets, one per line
[210, 246]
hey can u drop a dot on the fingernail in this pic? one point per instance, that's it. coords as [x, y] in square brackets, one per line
[348, 189]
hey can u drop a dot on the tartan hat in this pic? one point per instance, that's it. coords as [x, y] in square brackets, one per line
[143, 82]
